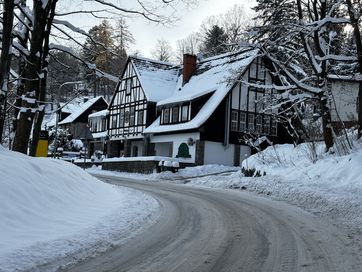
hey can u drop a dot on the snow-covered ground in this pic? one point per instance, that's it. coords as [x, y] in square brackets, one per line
[330, 187]
[52, 213]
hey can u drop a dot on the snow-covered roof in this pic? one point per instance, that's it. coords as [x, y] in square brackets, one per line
[213, 74]
[77, 110]
[101, 113]
[158, 79]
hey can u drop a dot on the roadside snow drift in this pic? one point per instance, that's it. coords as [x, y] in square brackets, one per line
[52, 213]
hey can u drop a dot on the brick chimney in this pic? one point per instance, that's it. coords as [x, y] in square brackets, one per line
[189, 62]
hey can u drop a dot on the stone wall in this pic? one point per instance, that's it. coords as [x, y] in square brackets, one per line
[146, 167]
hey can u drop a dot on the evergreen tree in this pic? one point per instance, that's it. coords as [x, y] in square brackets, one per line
[215, 41]
[274, 17]
[99, 50]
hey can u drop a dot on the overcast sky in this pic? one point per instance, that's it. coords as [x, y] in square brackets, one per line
[146, 33]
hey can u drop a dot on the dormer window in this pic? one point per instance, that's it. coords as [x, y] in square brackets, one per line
[184, 113]
[166, 116]
[175, 114]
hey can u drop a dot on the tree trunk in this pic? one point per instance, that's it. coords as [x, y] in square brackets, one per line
[43, 82]
[33, 70]
[326, 123]
[5, 59]
[23, 41]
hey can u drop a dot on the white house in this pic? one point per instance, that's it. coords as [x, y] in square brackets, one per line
[197, 112]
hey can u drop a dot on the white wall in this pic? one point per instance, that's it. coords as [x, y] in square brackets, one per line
[216, 153]
[163, 149]
[345, 95]
[176, 140]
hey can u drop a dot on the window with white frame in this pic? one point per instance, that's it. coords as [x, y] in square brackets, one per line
[234, 121]
[126, 117]
[258, 124]
[132, 116]
[184, 113]
[274, 126]
[242, 122]
[128, 86]
[121, 118]
[251, 122]
[175, 113]
[140, 117]
[266, 124]
[166, 116]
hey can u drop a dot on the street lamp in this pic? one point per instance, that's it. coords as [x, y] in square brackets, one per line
[57, 112]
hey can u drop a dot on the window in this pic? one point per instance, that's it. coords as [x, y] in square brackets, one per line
[126, 117]
[166, 116]
[121, 118]
[184, 113]
[175, 111]
[242, 122]
[251, 122]
[128, 86]
[266, 125]
[140, 117]
[132, 116]
[234, 121]
[114, 121]
[260, 101]
[274, 127]
[259, 124]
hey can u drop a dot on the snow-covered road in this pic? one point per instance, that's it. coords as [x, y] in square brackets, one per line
[204, 229]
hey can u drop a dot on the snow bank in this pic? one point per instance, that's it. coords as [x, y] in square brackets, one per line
[331, 187]
[53, 213]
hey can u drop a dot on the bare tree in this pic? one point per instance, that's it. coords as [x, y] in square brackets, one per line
[162, 51]
[188, 45]
[43, 22]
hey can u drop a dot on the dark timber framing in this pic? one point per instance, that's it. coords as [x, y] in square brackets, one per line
[254, 118]
[128, 108]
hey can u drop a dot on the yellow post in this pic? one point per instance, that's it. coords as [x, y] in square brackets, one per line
[42, 148]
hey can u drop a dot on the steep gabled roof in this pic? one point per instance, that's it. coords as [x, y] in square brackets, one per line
[217, 74]
[158, 79]
[80, 109]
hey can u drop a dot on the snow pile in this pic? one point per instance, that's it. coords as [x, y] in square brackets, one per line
[331, 187]
[53, 213]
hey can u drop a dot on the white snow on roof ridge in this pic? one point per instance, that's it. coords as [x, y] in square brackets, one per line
[151, 60]
[99, 113]
[82, 108]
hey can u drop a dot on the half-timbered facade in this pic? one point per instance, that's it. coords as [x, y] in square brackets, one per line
[197, 113]
[133, 107]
